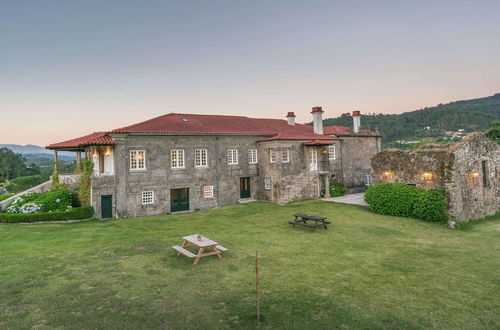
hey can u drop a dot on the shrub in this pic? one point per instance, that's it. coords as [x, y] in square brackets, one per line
[5, 196]
[23, 183]
[337, 189]
[55, 200]
[51, 201]
[431, 206]
[85, 212]
[408, 201]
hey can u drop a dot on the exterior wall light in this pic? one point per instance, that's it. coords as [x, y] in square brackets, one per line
[427, 176]
[387, 174]
[324, 152]
[474, 175]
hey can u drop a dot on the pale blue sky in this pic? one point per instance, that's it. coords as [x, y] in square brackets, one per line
[68, 68]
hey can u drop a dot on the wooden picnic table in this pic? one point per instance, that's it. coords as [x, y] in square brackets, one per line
[202, 244]
[302, 218]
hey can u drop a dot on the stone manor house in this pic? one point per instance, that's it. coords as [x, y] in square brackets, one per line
[187, 162]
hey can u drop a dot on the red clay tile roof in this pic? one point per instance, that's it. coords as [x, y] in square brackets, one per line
[96, 138]
[343, 131]
[189, 124]
[319, 142]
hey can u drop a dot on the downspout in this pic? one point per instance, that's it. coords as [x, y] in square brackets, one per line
[217, 168]
[342, 159]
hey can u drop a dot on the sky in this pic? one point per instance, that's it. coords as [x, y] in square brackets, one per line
[69, 68]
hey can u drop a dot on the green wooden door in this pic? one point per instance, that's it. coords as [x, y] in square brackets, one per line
[244, 187]
[106, 206]
[179, 200]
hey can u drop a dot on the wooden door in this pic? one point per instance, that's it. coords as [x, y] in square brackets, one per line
[106, 206]
[179, 200]
[245, 188]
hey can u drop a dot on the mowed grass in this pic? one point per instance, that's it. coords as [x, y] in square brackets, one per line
[366, 271]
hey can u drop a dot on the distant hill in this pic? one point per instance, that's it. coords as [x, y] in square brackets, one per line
[34, 151]
[469, 115]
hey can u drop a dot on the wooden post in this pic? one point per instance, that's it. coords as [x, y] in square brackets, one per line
[257, 284]
[78, 162]
[56, 161]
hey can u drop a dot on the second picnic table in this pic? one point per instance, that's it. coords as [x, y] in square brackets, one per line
[202, 243]
[302, 218]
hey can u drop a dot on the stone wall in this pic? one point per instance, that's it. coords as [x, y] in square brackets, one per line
[469, 198]
[457, 169]
[356, 152]
[289, 181]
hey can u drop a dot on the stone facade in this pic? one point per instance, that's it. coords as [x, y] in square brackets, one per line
[287, 181]
[468, 171]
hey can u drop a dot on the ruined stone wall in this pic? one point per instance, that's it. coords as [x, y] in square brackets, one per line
[355, 160]
[457, 169]
[469, 198]
[423, 168]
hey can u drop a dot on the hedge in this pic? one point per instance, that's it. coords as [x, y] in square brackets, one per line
[73, 214]
[407, 201]
[5, 196]
[23, 183]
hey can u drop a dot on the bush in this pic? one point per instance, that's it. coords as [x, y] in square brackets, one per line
[51, 201]
[337, 189]
[431, 206]
[5, 196]
[23, 183]
[407, 201]
[55, 200]
[85, 212]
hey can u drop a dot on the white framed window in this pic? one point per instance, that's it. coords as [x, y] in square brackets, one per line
[267, 183]
[286, 156]
[177, 158]
[232, 157]
[200, 158]
[368, 180]
[148, 197]
[272, 156]
[252, 156]
[208, 191]
[313, 159]
[137, 159]
[331, 152]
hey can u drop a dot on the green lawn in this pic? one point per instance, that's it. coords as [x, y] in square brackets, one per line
[365, 271]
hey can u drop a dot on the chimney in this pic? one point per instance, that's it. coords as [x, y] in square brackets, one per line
[317, 120]
[291, 118]
[356, 120]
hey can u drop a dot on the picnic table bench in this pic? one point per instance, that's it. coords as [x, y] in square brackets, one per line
[302, 218]
[202, 243]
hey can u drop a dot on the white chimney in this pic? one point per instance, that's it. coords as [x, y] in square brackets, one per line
[291, 118]
[356, 120]
[317, 120]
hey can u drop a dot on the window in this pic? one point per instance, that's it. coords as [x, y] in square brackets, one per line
[232, 157]
[148, 197]
[286, 156]
[267, 183]
[484, 167]
[137, 160]
[272, 155]
[252, 156]
[368, 180]
[200, 158]
[208, 191]
[331, 152]
[313, 160]
[177, 158]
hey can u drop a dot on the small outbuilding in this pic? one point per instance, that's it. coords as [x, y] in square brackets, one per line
[468, 171]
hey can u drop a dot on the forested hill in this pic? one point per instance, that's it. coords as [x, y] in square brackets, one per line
[470, 115]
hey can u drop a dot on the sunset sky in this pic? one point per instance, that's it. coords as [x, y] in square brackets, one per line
[68, 68]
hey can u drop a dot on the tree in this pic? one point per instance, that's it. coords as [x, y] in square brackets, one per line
[494, 132]
[11, 164]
